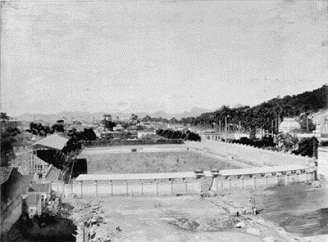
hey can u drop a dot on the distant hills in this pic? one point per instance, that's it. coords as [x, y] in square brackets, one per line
[261, 115]
[90, 117]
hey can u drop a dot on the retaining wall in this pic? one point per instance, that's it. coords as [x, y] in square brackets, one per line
[188, 185]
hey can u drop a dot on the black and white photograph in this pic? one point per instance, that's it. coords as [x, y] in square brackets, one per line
[164, 120]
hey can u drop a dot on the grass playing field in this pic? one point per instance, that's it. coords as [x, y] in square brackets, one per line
[152, 162]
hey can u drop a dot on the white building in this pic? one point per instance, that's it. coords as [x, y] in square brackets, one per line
[320, 119]
[288, 125]
[143, 133]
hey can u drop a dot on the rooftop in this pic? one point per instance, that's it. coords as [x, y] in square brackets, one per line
[53, 141]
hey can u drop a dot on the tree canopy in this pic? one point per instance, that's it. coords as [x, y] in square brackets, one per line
[267, 115]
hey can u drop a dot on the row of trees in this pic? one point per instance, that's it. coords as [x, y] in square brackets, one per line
[44, 130]
[76, 138]
[269, 114]
[176, 134]
[286, 143]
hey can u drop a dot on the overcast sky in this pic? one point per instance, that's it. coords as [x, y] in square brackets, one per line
[150, 56]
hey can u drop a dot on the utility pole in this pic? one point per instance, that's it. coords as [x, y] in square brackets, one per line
[226, 127]
[307, 123]
[278, 122]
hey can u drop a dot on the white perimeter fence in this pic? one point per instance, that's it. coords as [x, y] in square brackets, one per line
[183, 183]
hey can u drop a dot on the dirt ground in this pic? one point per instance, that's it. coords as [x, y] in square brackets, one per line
[183, 218]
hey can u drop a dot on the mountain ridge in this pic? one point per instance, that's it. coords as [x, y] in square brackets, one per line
[90, 116]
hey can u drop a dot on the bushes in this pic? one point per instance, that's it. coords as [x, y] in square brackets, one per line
[307, 147]
[263, 143]
[324, 143]
[176, 134]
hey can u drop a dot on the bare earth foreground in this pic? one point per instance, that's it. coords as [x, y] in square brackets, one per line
[183, 218]
[192, 218]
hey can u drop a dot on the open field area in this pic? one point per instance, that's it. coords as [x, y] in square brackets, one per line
[151, 162]
[191, 218]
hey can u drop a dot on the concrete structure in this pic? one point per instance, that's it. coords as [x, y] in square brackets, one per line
[323, 162]
[176, 126]
[288, 125]
[265, 168]
[41, 168]
[143, 133]
[217, 136]
[38, 167]
[36, 197]
[197, 182]
[108, 117]
[34, 205]
[320, 119]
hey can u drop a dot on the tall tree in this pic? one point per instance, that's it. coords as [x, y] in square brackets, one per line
[4, 117]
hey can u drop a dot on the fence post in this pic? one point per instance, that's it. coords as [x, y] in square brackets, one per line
[199, 174]
[277, 176]
[81, 184]
[111, 187]
[141, 187]
[96, 184]
[254, 182]
[186, 185]
[306, 176]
